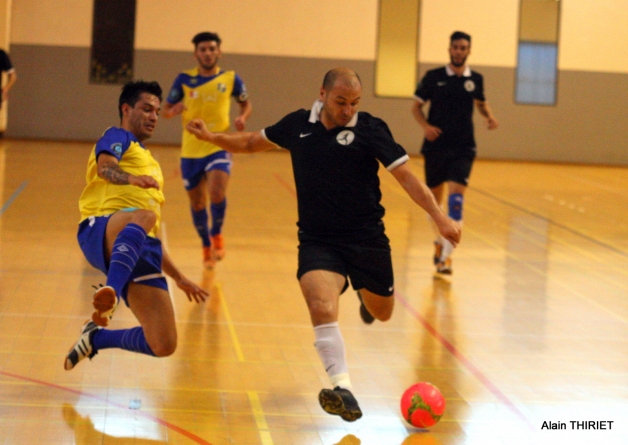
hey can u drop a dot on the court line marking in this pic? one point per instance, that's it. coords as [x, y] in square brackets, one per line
[260, 418]
[13, 197]
[558, 240]
[543, 273]
[218, 287]
[134, 412]
[286, 185]
[463, 360]
[230, 324]
[554, 223]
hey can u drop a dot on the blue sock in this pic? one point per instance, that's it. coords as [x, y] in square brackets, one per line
[455, 206]
[124, 256]
[128, 339]
[218, 216]
[200, 219]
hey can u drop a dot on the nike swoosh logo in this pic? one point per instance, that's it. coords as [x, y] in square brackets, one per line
[304, 135]
[440, 84]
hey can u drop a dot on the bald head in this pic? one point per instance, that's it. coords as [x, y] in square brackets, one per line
[343, 76]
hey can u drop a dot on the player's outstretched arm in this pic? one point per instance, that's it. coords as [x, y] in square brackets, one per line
[191, 289]
[109, 169]
[421, 194]
[241, 142]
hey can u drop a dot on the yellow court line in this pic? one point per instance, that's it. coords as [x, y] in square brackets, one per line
[232, 332]
[260, 418]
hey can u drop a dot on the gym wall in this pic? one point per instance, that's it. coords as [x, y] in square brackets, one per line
[282, 50]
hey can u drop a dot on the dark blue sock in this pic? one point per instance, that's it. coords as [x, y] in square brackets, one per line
[201, 219]
[455, 206]
[218, 216]
[124, 256]
[128, 339]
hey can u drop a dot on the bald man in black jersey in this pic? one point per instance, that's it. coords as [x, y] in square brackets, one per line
[335, 153]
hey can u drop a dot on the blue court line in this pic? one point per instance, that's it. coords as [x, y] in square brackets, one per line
[554, 223]
[13, 197]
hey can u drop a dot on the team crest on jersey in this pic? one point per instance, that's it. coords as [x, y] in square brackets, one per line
[345, 137]
[469, 85]
[222, 87]
[116, 148]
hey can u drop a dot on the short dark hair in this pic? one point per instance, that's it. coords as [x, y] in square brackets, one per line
[458, 35]
[132, 91]
[206, 37]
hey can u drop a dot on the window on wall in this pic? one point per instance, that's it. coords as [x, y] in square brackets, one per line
[537, 70]
[113, 35]
[397, 48]
[536, 73]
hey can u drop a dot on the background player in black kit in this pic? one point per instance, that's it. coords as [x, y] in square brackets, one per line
[449, 147]
[335, 152]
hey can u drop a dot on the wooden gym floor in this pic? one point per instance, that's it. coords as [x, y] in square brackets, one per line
[532, 329]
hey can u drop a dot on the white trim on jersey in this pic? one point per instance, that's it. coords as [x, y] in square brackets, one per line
[450, 72]
[315, 114]
[398, 162]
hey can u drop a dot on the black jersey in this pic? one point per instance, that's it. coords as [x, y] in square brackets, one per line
[335, 171]
[5, 62]
[451, 106]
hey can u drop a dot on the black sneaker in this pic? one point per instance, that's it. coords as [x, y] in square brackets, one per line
[438, 249]
[364, 312]
[83, 347]
[444, 270]
[340, 402]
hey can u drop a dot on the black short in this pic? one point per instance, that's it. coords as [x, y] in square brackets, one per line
[367, 264]
[446, 165]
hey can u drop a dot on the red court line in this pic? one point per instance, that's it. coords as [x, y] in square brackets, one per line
[168, 425]
[286, 185]
[462, 359]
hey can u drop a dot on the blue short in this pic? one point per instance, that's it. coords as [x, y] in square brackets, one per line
[147, 271]
[193, 169]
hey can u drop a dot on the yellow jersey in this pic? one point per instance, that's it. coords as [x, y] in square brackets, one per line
[101, 197]
[207, 98]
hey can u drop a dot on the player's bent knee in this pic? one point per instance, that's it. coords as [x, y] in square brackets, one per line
[145, 219]
[164, 348]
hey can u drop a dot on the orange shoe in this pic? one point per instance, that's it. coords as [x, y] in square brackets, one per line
[208, 259]
[218, 246]
[105, 303]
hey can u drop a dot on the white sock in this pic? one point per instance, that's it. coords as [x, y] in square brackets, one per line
[331, 350]
[448, 248]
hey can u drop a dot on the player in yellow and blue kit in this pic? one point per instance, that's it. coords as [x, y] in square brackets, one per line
[120, 216]
[205, 93]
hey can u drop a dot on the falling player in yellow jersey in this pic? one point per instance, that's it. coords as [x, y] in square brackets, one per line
[205, 93]
[120, 217]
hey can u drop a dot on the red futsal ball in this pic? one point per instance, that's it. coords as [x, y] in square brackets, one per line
[422, 405]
